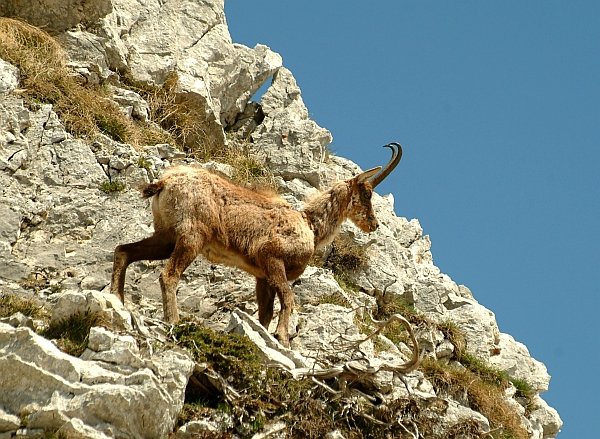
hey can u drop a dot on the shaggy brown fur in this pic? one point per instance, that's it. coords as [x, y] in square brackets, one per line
[198, 212]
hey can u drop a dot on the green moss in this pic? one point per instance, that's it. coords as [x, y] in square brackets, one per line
[232, 355]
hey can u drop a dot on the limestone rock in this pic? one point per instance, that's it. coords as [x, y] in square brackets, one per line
[325, 330]
[315, 284]
[53, 388]
[8, 422]
[108, 306]
[87, 56]
[217, 423]
[18, 320]
[55, 16]
[132, 103]
[515, 359]
[290, 142]
[9, 77]
[270, 349]
[544, 419]
[76, 429]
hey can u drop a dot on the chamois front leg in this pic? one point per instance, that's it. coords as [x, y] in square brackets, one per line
[277, 279]
[183, 255]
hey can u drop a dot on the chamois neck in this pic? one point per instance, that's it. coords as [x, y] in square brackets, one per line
[327, 211]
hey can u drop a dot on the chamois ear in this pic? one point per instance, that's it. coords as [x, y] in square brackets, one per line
[361, 178]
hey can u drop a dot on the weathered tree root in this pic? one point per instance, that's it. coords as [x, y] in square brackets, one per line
[356, 371]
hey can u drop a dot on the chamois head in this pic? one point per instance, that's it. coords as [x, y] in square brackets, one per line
[361, 212]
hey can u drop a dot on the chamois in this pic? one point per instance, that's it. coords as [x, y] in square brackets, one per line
[198, 212]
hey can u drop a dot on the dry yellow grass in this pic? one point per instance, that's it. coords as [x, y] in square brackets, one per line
[45, 78]
[86, 109]
[483, 395]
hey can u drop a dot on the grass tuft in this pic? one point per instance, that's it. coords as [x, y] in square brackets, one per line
[110, 187]
[479, 387]
[45, 78]
[346, 255]
[335, 299]
[73, 332]
[11, 304]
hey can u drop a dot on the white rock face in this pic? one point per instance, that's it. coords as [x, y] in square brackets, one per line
[107, 305]
[545, 420]
[53, 389]
[57, 225]
[288, 140]
[515, 359]
[9, 77]
[55, 16]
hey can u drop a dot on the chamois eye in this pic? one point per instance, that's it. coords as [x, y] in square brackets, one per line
[367, 195]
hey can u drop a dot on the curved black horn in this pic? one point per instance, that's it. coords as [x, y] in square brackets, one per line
[396, 156]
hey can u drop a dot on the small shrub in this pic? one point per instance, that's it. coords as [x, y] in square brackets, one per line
[182, 121]
[194, 410]
[345, 258]
[110, 187]
[455, 336]
[346, 255]
[231, 355]
[144, 163]
[248, 169]
[484, 371]
[524, 389]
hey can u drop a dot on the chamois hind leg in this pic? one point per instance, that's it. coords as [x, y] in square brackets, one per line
[183, 255]
[277, 279]
[265, 297]
[158, 246]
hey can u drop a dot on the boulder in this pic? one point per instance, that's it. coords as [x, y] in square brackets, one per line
[289, 142]
[52, 389]
[107, 305]
[55, 16]
[514, 358]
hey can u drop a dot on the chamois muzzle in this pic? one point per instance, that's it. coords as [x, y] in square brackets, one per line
[396, 156]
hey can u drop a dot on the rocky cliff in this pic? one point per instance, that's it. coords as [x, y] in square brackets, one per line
[67, 199]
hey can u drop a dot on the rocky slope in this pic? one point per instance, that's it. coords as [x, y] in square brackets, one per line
[58, 230]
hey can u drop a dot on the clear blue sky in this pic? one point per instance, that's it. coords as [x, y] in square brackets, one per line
[497, 107]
